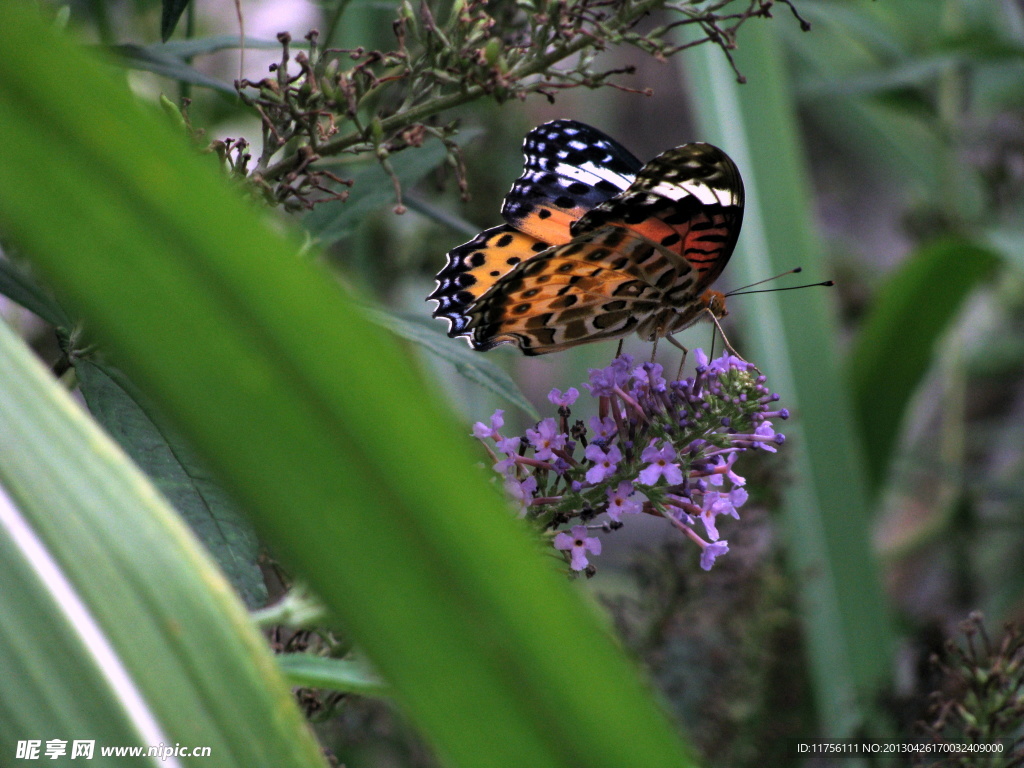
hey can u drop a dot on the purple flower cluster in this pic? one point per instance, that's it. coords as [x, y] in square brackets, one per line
[664, 448]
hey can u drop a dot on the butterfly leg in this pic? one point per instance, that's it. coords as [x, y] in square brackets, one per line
[618, 349]
[725, 339]
[682, 362]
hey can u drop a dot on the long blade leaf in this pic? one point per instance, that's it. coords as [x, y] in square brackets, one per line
[844, 617]
[312, 416]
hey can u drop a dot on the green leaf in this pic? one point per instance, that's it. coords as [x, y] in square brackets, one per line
[114, 625]
[21, 287]
[894, 348]
[161, 453]
[334, 674]
[151, 59]
[198, 46]
[473, 365]
[922, 72]
[315, 421]
[170, 14]
[373, 189]
[794, 341]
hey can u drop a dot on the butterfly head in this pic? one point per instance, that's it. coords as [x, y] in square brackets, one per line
[714, 302]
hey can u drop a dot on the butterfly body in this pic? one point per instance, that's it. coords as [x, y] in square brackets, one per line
[596, 245]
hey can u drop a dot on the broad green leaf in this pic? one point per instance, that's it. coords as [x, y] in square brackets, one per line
[115, 626]
[152, 59]
[170, 463]
[334, 674]
[894, 348]
[473, 365]
[171, 11]
[373, 189]
[314, 420]
[793, 339]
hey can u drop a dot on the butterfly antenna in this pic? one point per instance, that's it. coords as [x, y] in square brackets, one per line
[742, 291]
[794, 271]
[824, 283]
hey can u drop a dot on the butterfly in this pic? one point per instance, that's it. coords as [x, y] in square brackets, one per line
[595, 245]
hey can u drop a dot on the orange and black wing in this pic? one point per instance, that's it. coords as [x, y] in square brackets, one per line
[601, 285]
[569, 168]
[689, 200]
[642, 260]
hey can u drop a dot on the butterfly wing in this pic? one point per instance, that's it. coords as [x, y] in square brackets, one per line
[569, 168]
[601, 285]
[474, 267]
[689, 200]
[642, 260]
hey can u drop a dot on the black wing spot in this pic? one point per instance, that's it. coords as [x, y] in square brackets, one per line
[671, 239]
[513, 260]
[477, 259]
[538, 247]
[504, 240]
[565, 302]
[544, 213]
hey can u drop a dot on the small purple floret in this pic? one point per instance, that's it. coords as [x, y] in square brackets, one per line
[546, 439]
[578, 544]
[605, 462]
[557, 398]
[661, 462]
[712, 552]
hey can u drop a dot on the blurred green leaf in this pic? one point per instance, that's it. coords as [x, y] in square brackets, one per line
[473, 365]
[21, 287]
[171, 11]
[850, 45]
[333, 674]
[921, 72]
[894, 348]
[198, 46]
[1008, 241]
[317, 424]
[151, 59]
[373, 189]
[115, 625]
[161, 453]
